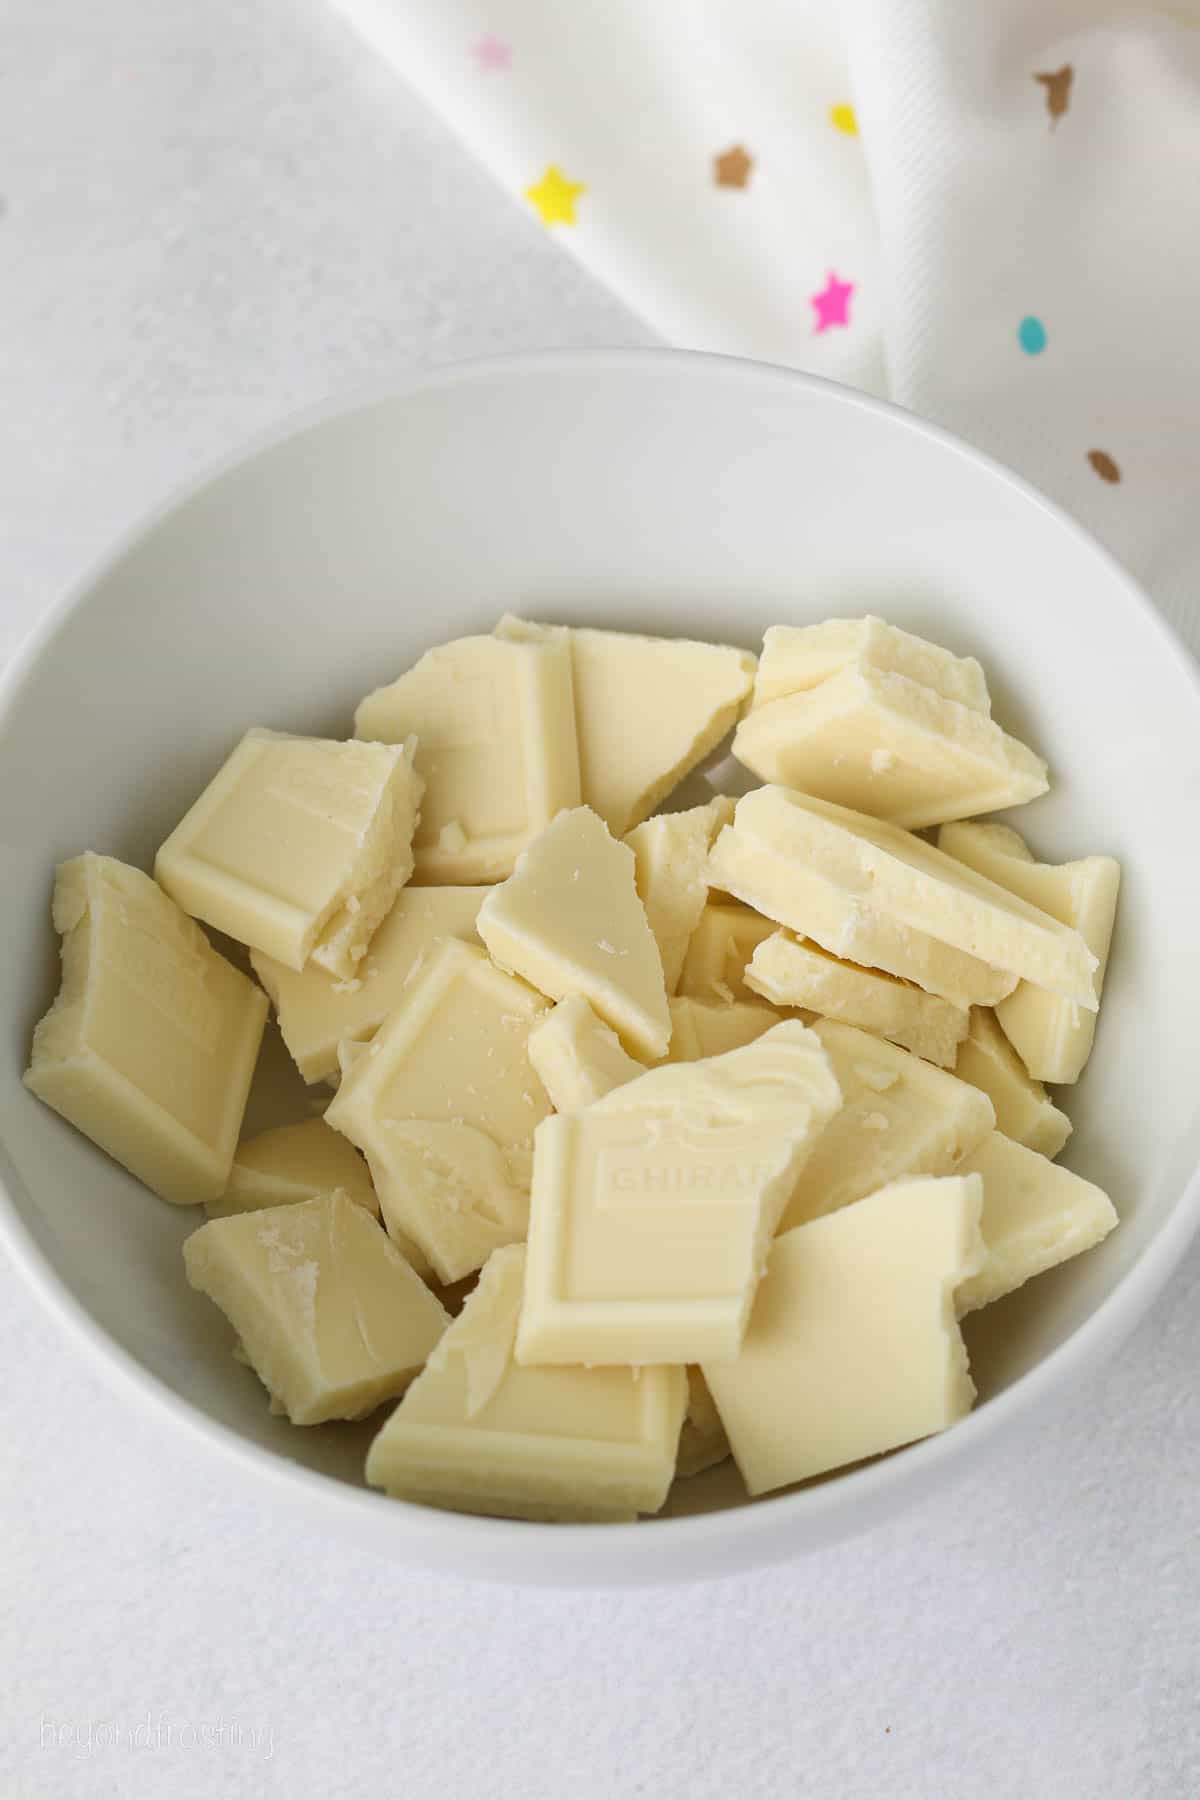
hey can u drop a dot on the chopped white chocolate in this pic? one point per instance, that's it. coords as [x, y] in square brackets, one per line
[684, 696]
[797, 657]
[291, 1163]
[701, 1028]
[671, 851]
[1024, 1110]
[853, 1347]
[861, 886]
[722, 944]
[478, 1433]
[569, 920]
[1051, 1035]
[702, 1442]
[900, 1116]
[443, 1103]
[887, 746]
[651, 1212]
[788, 891]
[496, 745]
[150, 1045]
[1035, 1216]
[792, 972]
[298, 846]
[330, 1317]
[577, 1056]
[316, 1012]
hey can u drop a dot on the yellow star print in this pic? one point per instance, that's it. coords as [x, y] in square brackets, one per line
[843, 118]
[555, 196]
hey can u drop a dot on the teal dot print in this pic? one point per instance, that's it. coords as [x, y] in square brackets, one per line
[1031, 335]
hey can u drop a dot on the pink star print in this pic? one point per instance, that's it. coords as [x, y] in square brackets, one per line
[833, 303]
[492, 53]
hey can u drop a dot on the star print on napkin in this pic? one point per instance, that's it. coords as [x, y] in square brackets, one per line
[554, 196]
[492, 52]
[832, 304]
[732, 168]
[1057, 83]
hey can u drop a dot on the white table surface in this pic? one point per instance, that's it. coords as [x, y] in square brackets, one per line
[213, 215]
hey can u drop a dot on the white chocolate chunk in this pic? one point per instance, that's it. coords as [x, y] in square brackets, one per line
[785, 888]
[478, 1433]
[1024, 1110]
[889, 747]
[701, 1028]
[291, 1163]
[900, 1116]
[1052, 1036]
[150, 1044]
[671, 851]
[792, 972]
[495, 731]
[702, 1442]
[1035, 1216]
[316, 1012]
[443, 1103]
[853, 1348]
[651, 1212]
[684, 697]
[576, 1055]
[569, 921]
[329, 1315]
[849, 876]
[298, 846]
[797, 657]
[722, 944]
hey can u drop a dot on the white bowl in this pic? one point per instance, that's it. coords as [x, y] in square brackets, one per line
[661, 492]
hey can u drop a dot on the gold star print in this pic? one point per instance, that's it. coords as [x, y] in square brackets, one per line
[554, 196]
[732, 168]
[1057, 83]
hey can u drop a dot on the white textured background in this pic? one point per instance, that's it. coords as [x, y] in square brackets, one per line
[213, 215]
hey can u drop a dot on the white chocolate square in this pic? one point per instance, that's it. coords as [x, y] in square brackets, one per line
[1035, 1216]
[789, 890]
[725, 938]
[495, 729]
[862, 889]
[702, 1028]
[651, 1212]
[899, 1116]
[569, 921]
[1024, 1110]
[291, 1163]
[316, 1011]
[443, 1103]
[684, 697]
[888, 746]
[791, 971]
[329, 1315]
[853, 1348]
[702, 1442]
[150, 1045]
[577, 1056]
[477, 1432]
[297, 846]
[1052, 1036]
[798, 657]
[671, 851]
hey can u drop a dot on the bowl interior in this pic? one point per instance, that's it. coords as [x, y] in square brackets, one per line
[669, 494]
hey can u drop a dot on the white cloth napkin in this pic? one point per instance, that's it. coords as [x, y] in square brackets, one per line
[990, 213]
